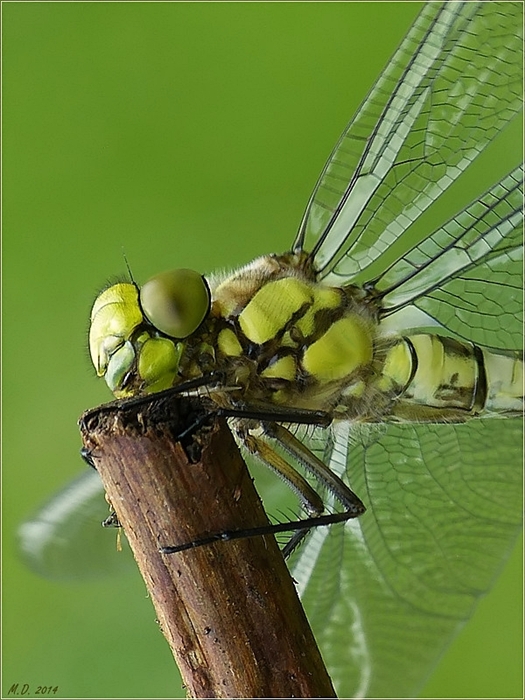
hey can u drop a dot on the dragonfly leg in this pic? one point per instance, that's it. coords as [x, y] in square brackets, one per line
[256, 440]
[258, 447]
[271, 529]
[315, 466]
[261, 414]
[300, 453]
[87, 456]
[112, 520]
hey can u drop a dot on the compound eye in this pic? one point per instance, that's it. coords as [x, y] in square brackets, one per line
[176, 302]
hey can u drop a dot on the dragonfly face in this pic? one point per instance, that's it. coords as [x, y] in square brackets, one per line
[130, 330]
[417, 362]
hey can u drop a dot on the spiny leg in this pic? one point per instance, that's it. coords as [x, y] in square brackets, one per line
[299, 452]
[258, 447]
[255, 440]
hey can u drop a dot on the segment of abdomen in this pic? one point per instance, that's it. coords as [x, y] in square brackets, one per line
[441, 379]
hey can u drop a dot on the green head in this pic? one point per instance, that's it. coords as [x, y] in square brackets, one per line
[136, 336]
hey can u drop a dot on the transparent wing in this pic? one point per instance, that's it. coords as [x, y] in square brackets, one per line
[387, 593]
[466, 277]
[453, 84]
[65, 539]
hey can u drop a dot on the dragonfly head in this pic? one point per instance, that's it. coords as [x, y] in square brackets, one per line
[136, 336]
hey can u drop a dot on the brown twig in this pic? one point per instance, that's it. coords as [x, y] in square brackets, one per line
[228, 610]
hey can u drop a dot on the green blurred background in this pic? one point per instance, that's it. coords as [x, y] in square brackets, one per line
[187, 135]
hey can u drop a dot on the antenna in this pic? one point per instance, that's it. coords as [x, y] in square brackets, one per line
[128, 268]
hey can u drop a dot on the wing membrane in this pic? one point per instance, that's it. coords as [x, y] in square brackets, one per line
[452, 85]
[444, 510]
[473, 263]
[65, 538]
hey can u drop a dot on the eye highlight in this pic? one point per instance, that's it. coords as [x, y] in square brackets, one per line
[176, 302]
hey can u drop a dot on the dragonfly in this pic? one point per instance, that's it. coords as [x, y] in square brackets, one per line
[412, 353]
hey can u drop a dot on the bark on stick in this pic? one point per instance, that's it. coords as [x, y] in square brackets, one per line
[229, 610]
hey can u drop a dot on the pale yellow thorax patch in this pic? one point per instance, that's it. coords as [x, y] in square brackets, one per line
[346, 346]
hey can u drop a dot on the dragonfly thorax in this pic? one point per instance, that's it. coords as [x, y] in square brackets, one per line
[289, 340]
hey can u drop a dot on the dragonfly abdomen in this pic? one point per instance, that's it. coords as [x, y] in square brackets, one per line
[441, 379]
